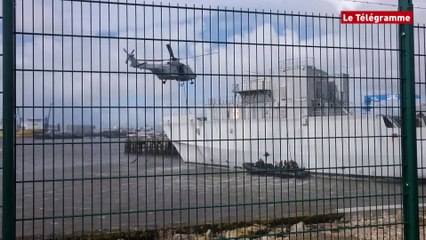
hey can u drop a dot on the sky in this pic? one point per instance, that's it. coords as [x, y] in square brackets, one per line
[87, 81]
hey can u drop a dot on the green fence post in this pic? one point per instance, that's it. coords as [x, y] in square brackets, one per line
[408, 113]
[9, 177]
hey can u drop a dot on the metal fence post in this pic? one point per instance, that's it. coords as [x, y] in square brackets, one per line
[9, 174]
[408, 113]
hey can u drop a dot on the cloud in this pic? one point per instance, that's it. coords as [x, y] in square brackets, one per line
[88, 69]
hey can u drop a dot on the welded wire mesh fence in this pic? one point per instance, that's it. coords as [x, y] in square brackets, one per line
[420, 79]
[239, 121]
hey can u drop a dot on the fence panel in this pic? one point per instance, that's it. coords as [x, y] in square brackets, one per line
[247, 124]
[420, 81]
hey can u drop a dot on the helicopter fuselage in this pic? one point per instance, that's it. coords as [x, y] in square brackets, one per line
[170, 71]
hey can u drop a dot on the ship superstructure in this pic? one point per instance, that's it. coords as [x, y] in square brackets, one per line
[302, 114]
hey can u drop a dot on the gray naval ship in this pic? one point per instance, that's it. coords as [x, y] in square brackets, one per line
[300, 115]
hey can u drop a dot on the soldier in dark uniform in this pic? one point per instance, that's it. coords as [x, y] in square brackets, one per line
[286, 164]
[260, 163]
[293, 165]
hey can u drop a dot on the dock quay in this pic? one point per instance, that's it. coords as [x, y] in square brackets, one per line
[149, 144]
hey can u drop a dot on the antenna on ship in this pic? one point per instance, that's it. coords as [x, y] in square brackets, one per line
[266, 155]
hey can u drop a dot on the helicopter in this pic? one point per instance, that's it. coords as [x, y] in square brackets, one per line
[172, 69]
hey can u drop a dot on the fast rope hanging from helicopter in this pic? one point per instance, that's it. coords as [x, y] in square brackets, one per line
[185, 86]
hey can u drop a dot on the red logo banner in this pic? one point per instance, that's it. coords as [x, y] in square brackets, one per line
[376, 17]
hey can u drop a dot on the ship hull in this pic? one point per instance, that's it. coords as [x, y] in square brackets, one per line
[336, 145]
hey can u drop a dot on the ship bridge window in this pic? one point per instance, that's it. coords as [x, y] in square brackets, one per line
[420, 120]
[396, 120]
[392, 121]
[387, 122]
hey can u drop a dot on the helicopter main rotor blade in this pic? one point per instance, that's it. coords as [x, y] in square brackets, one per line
[169, 48]
[211, 53]
[153, 60]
